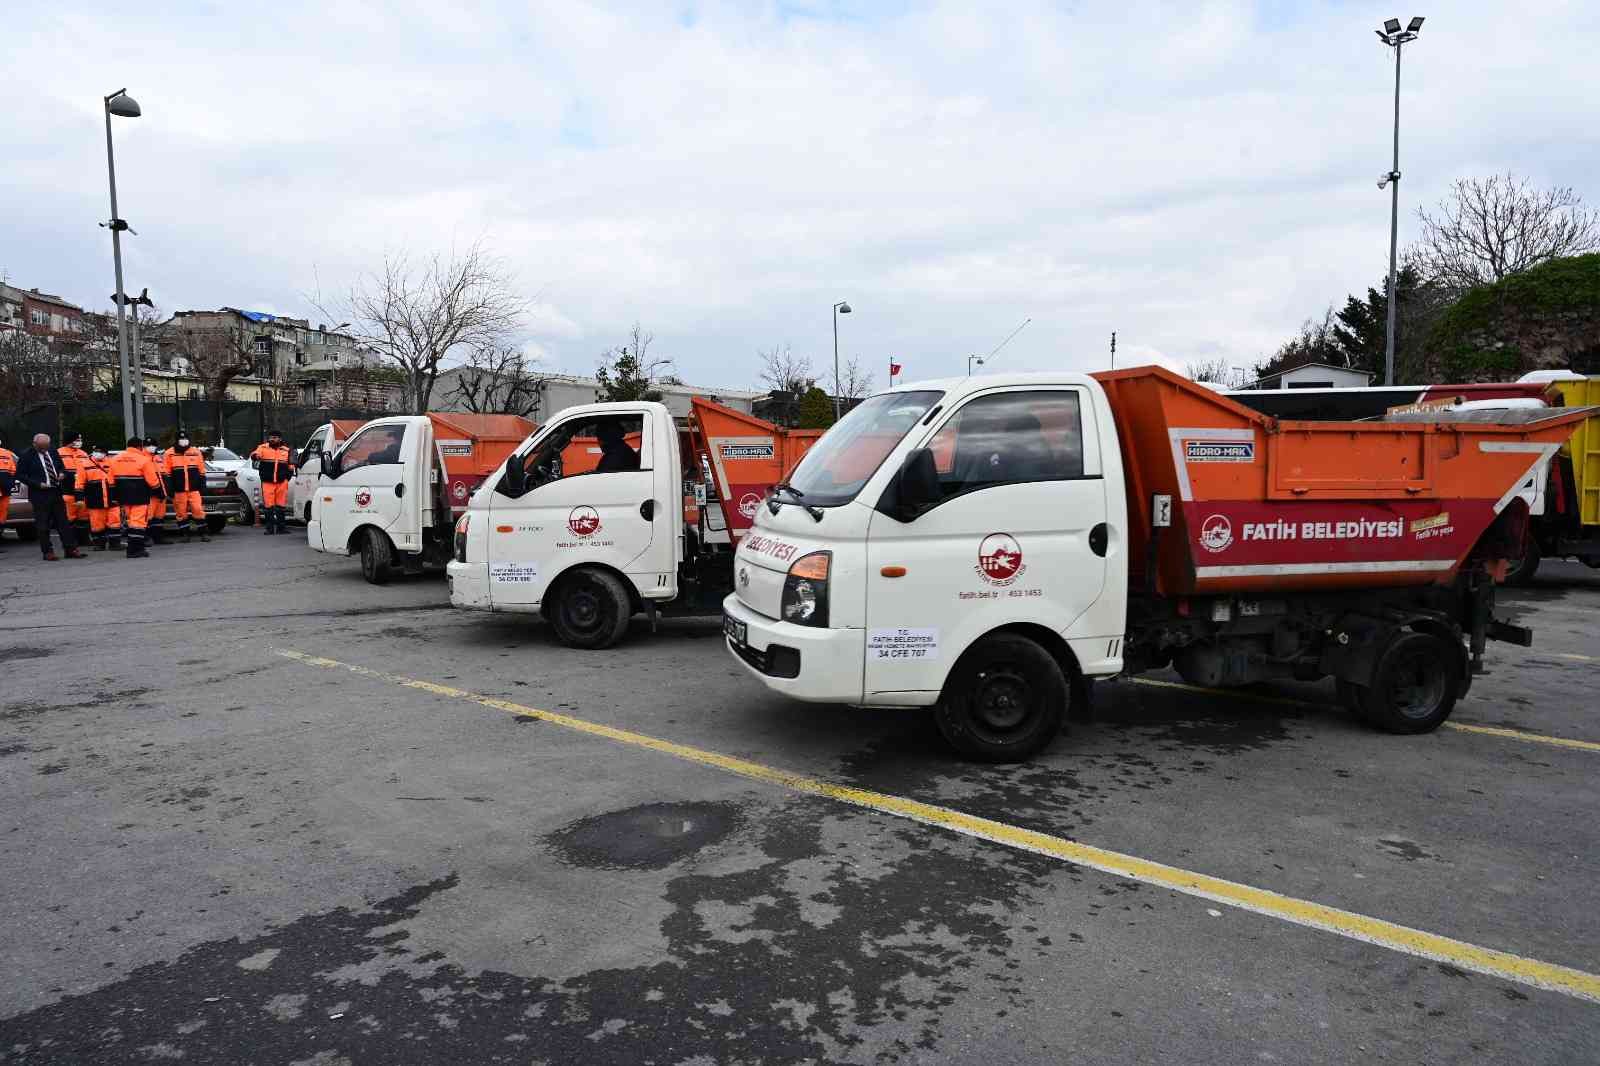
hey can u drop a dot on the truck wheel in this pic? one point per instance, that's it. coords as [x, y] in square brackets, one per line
[305, 514]
[591, 610]
[1005, 700]
[1521, 570]
[1415, 686]
[216, 523]
[376, 558]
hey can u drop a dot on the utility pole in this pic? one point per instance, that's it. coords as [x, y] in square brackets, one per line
[1113, 349]
[121, 104]
[1394, 37]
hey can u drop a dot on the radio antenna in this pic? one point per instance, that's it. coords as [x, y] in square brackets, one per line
[990, 357]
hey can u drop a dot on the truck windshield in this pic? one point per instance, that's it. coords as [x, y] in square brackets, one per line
[836, 467]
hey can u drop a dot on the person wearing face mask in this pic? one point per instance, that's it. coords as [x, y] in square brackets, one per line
[137, 481]
[276, 464]
[186, 476]
[97, 489]
[73, 455]
[8, 478]
[157, 511]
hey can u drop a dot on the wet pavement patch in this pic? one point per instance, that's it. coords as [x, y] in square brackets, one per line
[648, 837]
[13, 654]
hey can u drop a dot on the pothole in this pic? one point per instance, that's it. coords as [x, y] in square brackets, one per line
[647, 837]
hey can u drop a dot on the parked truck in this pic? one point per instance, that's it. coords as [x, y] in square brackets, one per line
[989, 546]
[607, 511]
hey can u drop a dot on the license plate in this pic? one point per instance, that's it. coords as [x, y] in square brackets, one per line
[735, 630]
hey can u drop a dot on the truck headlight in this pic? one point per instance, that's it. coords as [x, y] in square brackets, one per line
[462, 526]
[805, 590]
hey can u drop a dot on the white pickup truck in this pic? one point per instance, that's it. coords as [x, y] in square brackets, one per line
[586, 527]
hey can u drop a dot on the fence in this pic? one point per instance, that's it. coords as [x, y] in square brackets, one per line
[244, 425]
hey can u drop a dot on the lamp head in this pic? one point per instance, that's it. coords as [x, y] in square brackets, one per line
[1391, 25]
[123, 106]
[844, 308]
[1415, 25]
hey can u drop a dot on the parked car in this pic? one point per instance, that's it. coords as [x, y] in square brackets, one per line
[20, 517]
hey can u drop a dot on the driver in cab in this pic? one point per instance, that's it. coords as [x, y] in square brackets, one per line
[615, 453]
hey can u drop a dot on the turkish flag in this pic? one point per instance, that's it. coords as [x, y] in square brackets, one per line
[894, 368]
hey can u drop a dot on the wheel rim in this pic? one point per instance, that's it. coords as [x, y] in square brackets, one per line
[369, 557]
[584, 610]
[1417, 685]
[1002, 702]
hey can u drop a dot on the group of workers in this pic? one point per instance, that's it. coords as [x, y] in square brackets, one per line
[127, 495]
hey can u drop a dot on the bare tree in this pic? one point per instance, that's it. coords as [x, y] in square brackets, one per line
[216, 357]
[784, 371]
[855, 381]
[1218, 370]
[1492, 227]
[36, 371]
[415, 315]
[499, 381]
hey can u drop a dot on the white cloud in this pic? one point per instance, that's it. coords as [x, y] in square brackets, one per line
[1197, 180]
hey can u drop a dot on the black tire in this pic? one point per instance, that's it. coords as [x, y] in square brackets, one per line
[249, 516]
[591, 609]
[1415, 686]
[305, 514]
[29, 532]
[377, 558]
[1522, 570]
[1004, 702]
[216, 523]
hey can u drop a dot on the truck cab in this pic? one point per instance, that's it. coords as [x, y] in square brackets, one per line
[381, 496]
[974, 525]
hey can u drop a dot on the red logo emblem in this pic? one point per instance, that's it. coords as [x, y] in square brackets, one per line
[459, 490]
[748, 503]
[1000, 559]
[1216, 533]
[363, 497]
[583, 521]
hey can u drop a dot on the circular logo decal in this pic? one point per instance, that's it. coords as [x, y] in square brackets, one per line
[1216, 533]
[584, 521]
[744, 577]
[748, 504]
[459, 490]
[363, 497]
[1000, 559]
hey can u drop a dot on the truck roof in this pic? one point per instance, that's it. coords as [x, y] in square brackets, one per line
[960, 386]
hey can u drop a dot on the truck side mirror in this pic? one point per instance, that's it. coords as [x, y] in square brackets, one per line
[325, 466]
[918, 487]
[515, 481]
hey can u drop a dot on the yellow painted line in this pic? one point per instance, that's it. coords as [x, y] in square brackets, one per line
[1377, 931]
[1288, 701]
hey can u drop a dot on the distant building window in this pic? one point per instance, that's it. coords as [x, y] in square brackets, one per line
[194, 393]
[263, 346]
[39, 318]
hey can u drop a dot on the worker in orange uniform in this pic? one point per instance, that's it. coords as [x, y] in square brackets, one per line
[73, 457]
[137, 480]
[157, 512]
[276, 464]
[98, 492]
[186, 476]
[8, 478]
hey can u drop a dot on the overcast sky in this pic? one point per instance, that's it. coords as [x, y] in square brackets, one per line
[1199, 178]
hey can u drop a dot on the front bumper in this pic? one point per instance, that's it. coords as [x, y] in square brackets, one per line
[831, 661]
[469, 585]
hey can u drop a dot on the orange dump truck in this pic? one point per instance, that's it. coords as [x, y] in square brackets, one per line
[987, 546]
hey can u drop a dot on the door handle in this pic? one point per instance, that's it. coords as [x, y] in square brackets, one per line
[1097, 539]
[647, 510]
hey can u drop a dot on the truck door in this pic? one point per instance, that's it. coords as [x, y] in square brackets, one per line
[589, 496]
[367, 486]
[1012, 538]
[302, 487]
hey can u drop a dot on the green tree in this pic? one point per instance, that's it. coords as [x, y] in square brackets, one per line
[816, 409]
[627, 372]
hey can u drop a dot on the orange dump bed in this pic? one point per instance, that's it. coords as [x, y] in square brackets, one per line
[1262, 504]
[748, 456]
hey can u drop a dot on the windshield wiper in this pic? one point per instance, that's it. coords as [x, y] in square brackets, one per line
[773, 503]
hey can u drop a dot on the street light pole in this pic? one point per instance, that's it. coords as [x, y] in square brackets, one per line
[120, 103]
[840, 308]
[1395, 38]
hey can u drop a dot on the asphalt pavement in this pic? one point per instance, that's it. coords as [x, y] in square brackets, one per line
[253, 809]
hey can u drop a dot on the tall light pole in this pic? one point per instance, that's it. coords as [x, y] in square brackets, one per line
[122, 105]
[1396, 38]
[122, 299]
[840, 308]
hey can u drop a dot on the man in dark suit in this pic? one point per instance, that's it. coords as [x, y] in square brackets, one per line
[41, 469]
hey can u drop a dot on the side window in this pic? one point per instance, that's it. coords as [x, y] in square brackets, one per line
[378, 446]
[313, 447]
[605, 444]
[1008, 438]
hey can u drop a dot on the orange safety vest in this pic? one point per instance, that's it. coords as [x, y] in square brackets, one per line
[73, 459]
[135, 474]
[95, 484]
[276, 463]
[186, 470]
